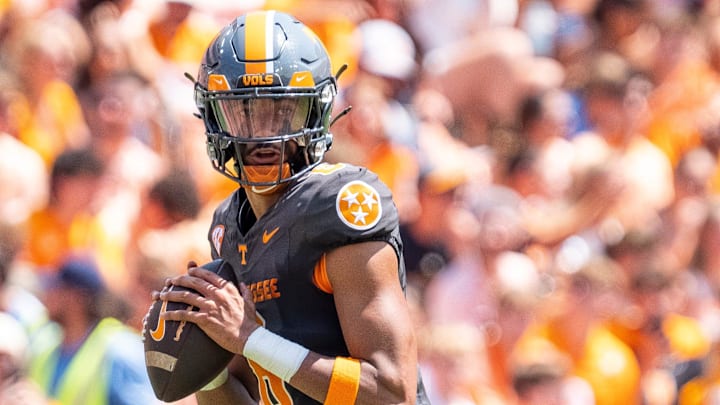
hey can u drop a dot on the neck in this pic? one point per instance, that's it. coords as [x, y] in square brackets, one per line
[261, 203]
[75, 331]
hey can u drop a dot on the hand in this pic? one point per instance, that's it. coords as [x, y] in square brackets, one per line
[155, 295]
[225, 313]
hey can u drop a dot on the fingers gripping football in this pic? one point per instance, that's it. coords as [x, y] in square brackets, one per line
[180, 356]
[224, 313]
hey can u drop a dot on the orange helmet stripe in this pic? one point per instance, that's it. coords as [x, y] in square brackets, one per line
[259, 41]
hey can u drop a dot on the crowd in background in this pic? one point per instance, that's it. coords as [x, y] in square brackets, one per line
[556, 166]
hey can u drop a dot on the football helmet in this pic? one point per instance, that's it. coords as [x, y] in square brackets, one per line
[265, 92]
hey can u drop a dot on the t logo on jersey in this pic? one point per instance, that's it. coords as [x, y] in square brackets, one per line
[358, 205]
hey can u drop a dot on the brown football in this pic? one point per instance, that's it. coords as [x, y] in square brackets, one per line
[180, 358]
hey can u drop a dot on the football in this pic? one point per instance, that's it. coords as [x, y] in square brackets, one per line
[180, 358]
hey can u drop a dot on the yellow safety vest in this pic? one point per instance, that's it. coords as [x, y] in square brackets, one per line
[85, 381]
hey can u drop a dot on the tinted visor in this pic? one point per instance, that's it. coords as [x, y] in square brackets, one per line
[261, 117]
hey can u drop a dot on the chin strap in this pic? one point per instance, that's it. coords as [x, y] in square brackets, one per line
[266, 174]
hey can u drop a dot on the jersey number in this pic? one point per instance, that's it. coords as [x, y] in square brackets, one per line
[272, 388]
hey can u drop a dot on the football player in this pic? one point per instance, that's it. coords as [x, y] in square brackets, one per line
[320, 314]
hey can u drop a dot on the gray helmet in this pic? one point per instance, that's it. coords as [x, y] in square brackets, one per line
[266, 69]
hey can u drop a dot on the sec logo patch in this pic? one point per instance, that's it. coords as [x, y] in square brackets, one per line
[358, 205]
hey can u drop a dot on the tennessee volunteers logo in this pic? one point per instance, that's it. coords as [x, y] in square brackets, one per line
[358, 205]
[218, 233]
[268, 235]
[264, 79]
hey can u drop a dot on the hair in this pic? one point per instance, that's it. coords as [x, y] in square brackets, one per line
[177, 193]
[527, 377]
[531, 109]
[75, 162]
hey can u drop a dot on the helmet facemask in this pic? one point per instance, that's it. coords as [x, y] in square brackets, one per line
[265, 138]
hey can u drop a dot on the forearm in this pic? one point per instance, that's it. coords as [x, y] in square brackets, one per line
[232, 392]
[315, 376]
[332, 380]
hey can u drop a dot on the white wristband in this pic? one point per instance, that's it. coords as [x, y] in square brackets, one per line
[274, 353]
[217, 381]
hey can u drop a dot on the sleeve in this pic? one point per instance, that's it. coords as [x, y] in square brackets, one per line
[216, 233]
[347, 206]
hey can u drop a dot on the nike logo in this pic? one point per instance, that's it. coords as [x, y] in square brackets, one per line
[159, 332]
[300, 78]
[267, 236]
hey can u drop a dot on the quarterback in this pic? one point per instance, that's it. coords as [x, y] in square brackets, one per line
[319, 313]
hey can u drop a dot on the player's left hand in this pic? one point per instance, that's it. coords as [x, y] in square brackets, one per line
[226, 314]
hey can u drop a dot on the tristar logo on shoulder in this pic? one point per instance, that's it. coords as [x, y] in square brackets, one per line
[358, 205]
[257, 79]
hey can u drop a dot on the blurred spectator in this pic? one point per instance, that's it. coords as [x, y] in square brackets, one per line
[614, 99]
[166, 36]
[16, 298]
[109, 49]
[623, 26]
[121, 112]
[23, 174]
[15, 387]
[367, 139]
[541, 383]
[579, 210]
[574, 320]
[668, 342]
[44, 56]
[171, 200]
[88, 356]
[704, 389]
[179, 33]
[426, 246]
[461, 19]
[388, 53]
[545, 120]
[67, 222]
[489, 282]
[485, 77]
[683, 219]
[456, 367]
[685, 82]
[486, 239]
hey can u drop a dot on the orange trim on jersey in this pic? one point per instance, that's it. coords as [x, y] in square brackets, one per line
[320, 277]
[256, 41]
[344, 382]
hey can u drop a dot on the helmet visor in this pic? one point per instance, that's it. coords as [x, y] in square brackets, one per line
[261, 117]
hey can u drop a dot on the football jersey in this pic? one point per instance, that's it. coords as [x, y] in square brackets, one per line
[277, 254]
